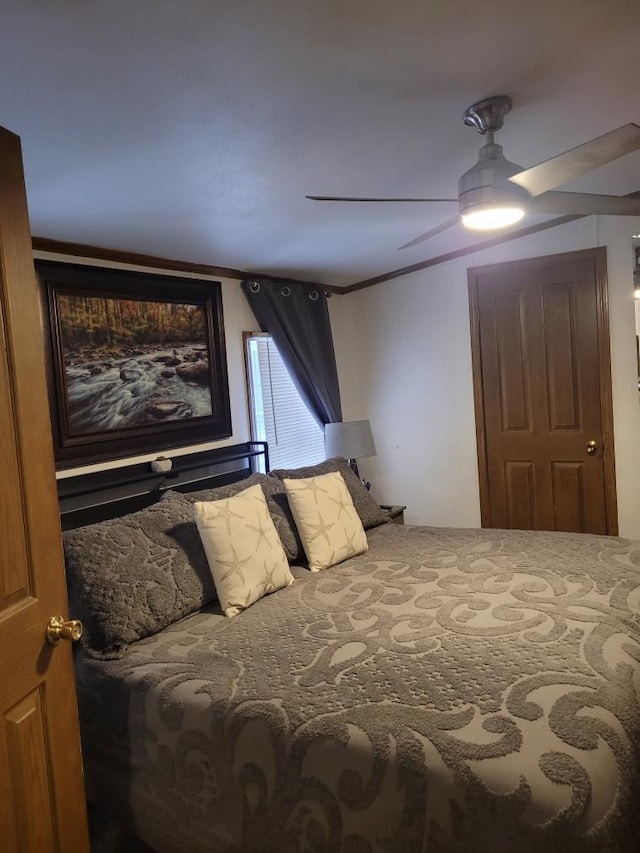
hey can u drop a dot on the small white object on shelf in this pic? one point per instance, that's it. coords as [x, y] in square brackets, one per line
[161, 465]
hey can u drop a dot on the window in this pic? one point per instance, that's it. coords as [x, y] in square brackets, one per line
[279, 415]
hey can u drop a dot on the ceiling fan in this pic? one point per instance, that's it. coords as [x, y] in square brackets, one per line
[496, 193]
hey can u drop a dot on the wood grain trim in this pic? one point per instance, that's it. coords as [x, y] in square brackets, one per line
[478, 398]
[469, 250]
[606, 395]
[460, 253]
[99, 253]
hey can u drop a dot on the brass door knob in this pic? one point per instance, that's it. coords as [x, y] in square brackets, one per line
[591, 448]
[58, 629]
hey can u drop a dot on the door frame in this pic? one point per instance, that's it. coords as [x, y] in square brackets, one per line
[599, 257]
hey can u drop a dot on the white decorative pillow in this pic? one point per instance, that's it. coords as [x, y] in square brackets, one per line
[327, 521]
[243, 549]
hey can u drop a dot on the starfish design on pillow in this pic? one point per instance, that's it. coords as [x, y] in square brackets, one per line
[225, 512]
[234, 566]
[350, 545]
[321, 529]
[312, 486]
[262, 529]
[342, 503]
[269, 582]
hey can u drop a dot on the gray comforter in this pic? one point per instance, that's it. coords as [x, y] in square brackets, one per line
[450, 690]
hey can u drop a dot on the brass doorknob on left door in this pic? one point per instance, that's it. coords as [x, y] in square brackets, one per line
[58, 629]
[591, 448]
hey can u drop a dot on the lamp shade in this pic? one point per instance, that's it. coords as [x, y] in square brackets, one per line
[350, 439]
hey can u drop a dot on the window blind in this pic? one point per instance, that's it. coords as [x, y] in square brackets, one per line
[278, 414]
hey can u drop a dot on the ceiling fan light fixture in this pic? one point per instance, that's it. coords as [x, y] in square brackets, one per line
[488, 217]
[488, 200]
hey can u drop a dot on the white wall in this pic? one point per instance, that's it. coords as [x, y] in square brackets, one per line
[238, 318]
[404, 359]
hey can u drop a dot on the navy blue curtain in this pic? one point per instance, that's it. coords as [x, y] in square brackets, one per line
[297, 318]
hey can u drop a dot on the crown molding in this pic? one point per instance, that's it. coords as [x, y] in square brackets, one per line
[100, 253]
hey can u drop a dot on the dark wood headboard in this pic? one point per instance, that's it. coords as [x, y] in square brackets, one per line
[96, 496]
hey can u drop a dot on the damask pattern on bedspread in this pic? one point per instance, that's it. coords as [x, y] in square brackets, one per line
[450, 690]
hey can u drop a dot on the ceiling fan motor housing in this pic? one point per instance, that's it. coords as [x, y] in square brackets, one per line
[487, 182]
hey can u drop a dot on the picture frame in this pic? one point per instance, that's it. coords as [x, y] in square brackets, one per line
[136, 362]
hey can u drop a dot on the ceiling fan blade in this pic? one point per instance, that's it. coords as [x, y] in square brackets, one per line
[586, 204]
[580, 160]
[341, 198]
[429, 234]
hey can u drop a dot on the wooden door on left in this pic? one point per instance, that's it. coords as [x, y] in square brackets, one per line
[42, 803]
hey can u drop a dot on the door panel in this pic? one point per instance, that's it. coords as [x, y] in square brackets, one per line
[14, 581]
[558, 327]
[569, 496]
[520, 494]
[42, 805]
[511, 355]
[542, 392]
[29, 768]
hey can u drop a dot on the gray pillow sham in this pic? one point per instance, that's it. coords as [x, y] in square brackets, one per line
[370, 513]
[132, 576]
[277, 502]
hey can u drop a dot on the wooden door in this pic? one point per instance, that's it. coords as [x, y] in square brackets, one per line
[42, 806]
[542, 385]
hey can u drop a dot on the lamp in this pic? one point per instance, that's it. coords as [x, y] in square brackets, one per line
[350, 439]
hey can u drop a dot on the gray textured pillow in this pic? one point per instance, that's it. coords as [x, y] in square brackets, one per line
[130, 577]
[370, 513]
[277, 502]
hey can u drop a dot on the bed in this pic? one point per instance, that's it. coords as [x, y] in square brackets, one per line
[448, 690]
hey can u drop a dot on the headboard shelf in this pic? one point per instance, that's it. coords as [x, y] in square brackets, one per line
[96, 496]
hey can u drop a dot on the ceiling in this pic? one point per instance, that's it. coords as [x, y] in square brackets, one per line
[192, 130]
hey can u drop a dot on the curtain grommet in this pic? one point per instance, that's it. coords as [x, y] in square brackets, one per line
[314, 295]
[286, 291]
[254, 286]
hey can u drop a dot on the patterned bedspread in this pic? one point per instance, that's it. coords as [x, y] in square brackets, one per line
[450, 690]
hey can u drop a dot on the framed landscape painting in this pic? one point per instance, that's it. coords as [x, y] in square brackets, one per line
[137, 362]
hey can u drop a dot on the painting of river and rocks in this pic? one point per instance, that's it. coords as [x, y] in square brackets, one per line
[130, 363]
[137, 361]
